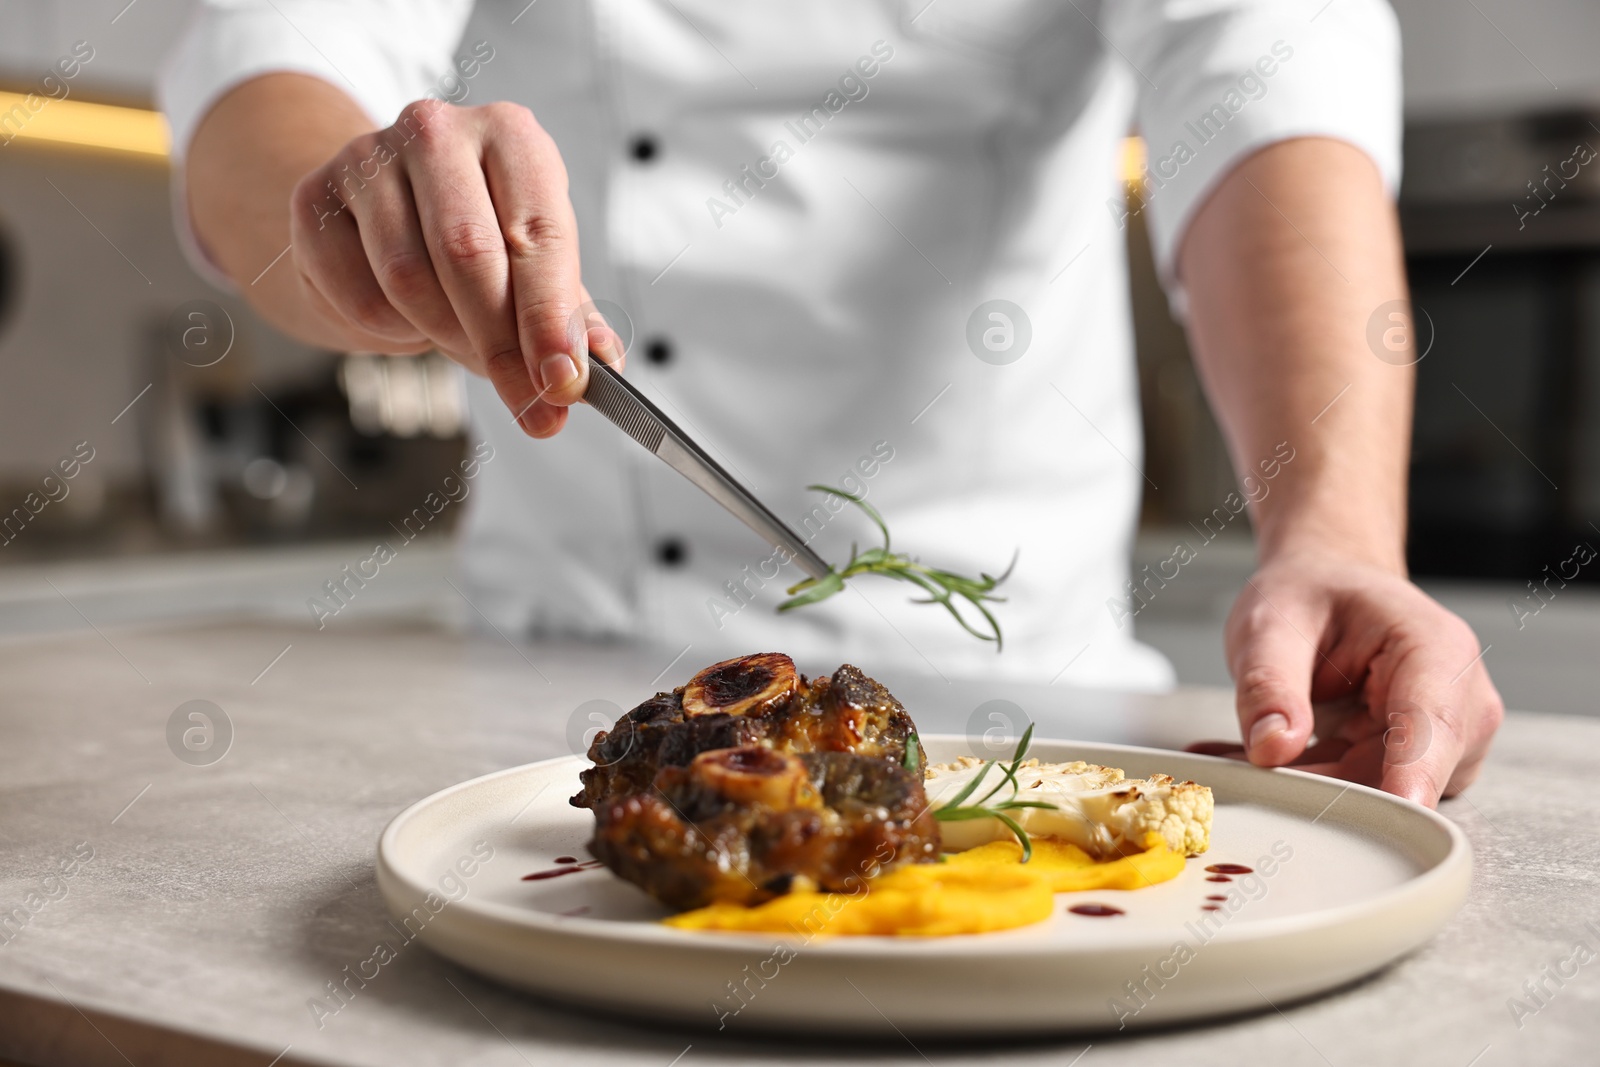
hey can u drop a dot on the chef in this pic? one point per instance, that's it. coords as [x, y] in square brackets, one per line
[877, 244]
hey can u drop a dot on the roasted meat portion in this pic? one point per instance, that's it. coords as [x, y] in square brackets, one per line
[753, 700]
[752, 780]
[747, 824]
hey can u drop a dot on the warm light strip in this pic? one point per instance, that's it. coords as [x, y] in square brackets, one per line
[1133, 159]
[105, 127]
[144, 133]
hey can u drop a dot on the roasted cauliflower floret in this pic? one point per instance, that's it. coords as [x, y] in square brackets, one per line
[1096, 808]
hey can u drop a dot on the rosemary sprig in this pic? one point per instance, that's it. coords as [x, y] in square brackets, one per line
[942, 587]
[957, 810]
[913, 758]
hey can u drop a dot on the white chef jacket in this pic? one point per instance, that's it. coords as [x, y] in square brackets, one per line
[801, 206]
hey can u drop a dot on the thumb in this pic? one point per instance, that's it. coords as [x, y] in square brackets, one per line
[1271, 662]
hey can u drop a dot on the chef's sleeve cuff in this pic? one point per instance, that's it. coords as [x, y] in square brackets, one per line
[1218, 86]
[382, 54]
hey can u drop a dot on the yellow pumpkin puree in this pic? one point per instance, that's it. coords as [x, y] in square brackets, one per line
[1069, 869]
[983, 889]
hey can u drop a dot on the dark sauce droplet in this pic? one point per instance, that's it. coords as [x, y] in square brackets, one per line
[566, 859]
[1219, 878]
[557, 872]
[1212, 907]
[1099, 911]
[1230, 868]
[1216, 896]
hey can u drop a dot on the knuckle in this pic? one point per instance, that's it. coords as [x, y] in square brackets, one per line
[307, 189]
[533, 235]
[1440, 623]
[467, 242]
[356, 150]
[407, 277]
[1494, 713]
[522, 124]
[1445, 726]
[505, 367]
[424, 123]
[349, 170]
[1459, 629]
[1439, 627]
[513, 115]
[1251, 615]
[1260, 685]
[312, 201]
[1430, 743]
[544, 322]
[1413, 644]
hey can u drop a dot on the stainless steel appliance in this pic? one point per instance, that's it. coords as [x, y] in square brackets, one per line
[1502, 229]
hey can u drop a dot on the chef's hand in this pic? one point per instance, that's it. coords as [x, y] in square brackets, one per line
[452, 229]
[1391, 684]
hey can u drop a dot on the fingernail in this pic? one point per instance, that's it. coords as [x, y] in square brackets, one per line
[558, 371]
[1266, 728]
[599, 337]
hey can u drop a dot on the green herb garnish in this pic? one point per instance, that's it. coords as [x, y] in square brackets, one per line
[913, 757]
[941, 586]
[957, 810]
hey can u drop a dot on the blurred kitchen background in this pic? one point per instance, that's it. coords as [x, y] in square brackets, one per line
[208, 488]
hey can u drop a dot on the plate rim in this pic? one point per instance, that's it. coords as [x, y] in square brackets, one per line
[656, 935]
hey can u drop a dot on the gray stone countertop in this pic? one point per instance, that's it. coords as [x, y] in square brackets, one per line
[207, 904]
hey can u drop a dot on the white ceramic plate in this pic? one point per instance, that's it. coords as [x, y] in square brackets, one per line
[1357, 878]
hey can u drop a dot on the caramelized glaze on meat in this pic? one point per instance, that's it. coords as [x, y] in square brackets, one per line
[753, 700]
[752, 780]
[747, 824]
